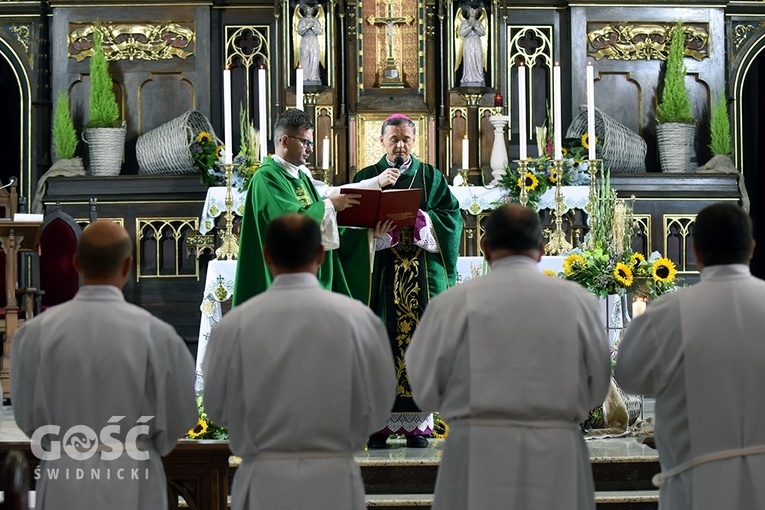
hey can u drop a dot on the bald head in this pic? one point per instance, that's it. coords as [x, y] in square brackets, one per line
[104, 252]
[513, 230]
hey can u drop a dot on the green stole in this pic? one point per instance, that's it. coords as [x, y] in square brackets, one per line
[405, 276]
[273, 192]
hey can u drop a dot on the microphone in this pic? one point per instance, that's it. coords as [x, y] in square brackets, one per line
[398, 162]
[10, 183]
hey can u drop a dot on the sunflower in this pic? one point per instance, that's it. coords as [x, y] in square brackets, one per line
[623, 274]
[531, 181]
[573, 264]
[204, 137]
[198, 430]
[586, 140]
[635, 260]
[550, 272]
[663, 270]
[218, 150]
[553, 176]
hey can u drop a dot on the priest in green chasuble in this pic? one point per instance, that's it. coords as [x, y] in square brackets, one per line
[283, 184]
[411, 265]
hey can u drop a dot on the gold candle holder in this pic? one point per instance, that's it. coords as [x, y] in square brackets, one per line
[465, 174]
[229, 248]
[592, 169]
[558, 243]
[523, 165]
[326, 176]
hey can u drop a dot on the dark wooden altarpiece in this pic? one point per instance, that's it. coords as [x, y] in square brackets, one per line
[377, 58]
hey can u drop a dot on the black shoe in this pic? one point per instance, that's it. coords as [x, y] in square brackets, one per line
[416, 441]
[377, 441]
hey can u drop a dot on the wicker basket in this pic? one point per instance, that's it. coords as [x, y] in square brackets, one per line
[675, 141]
[621, 149]
[165, 150]
[105, 149]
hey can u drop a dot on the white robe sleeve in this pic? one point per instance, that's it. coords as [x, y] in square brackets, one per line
[637, 366]
[217, 370]
[27, 409]
[330, 235]
[374, 376]
[431, 353]
[427, 236]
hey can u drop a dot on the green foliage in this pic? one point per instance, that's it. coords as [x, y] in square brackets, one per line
[675, 105]
[104, 111]
[719, 126]
[64, 135]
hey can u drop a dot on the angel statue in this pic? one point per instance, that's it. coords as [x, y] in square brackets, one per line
[308, 39]
[471, 43]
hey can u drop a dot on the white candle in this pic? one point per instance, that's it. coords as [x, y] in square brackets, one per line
[638, 307]
[299, 89]
[325, 153]
[591, 110]
[465, 153]
[522, 111]
[227, 136]
[262, 113]
[557, 122]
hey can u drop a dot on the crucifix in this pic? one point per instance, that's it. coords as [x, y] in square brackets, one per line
[391, 76]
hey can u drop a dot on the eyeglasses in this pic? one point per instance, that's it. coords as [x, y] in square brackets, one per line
[307, 144]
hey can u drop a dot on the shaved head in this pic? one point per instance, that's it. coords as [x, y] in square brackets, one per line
[103, 249]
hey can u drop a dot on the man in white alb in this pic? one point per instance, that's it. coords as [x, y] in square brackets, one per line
[514, 361]
[700, 352]
[96, 371]
[300, 376]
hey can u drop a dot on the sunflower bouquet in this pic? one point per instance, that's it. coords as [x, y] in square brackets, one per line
[605, 264]
[541, 173]
[205, 429]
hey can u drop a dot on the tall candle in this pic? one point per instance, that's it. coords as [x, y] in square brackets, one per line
[299, 89]
[325, 153]
[262, 112]
[591, 110]
[227, 136]
[465, 153]
[557, 122]
[522, 111]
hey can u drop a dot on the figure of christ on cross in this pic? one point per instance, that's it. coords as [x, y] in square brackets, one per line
[391, 76]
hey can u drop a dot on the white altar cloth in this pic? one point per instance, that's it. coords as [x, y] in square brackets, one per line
[215, 205]
[476, 199]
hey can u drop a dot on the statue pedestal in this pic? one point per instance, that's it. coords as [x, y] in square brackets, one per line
[499, 150]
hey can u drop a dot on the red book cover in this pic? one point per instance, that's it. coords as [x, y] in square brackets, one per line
[399, 205]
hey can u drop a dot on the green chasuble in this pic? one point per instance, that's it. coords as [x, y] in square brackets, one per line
[274, 192]
[405, 276]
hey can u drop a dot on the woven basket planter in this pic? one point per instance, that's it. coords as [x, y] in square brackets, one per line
[165, 150]
[621, 149]
[105, 149]
[675, 141]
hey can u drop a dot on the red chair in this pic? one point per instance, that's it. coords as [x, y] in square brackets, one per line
[59, 280]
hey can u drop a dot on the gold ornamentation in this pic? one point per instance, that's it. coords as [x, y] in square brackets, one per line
[302, 196]
[558, 243]
[472, 99]
[310, 97]
[22, 33]
[406, 290]
[149, 41]
[741, 32]
[647, 41]
[162, 239]
[229, 248]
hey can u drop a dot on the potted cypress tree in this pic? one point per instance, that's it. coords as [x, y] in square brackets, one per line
[676, 127]
[64, 135]
[105, 132]
[720, 139]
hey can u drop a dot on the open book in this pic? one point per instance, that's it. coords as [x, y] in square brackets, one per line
[399, 205]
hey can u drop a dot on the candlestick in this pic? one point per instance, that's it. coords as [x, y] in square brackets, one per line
[465, 153]
[558, 243]
[557, 118]
[638, 307]
[325, 153]
[262, 112]
[591, 110]
[229, 248]
[522, 137]
[299, 88]
[523, 197]
[227, 136]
